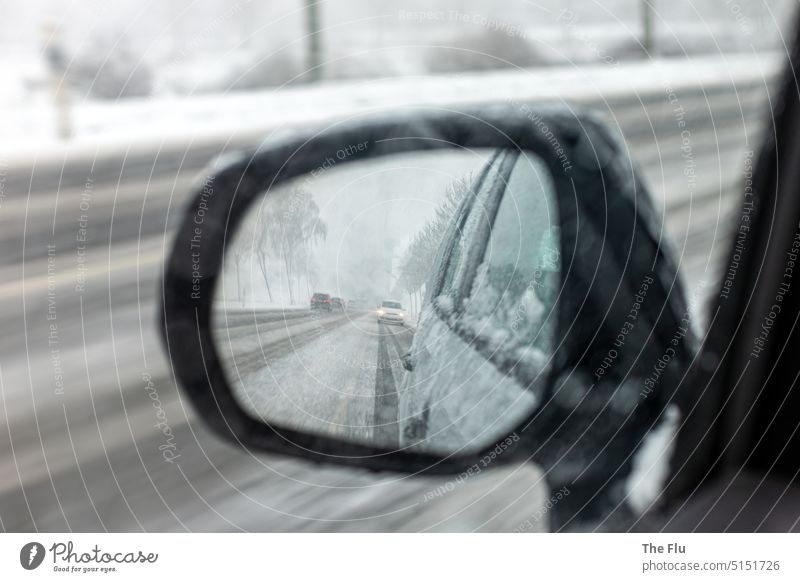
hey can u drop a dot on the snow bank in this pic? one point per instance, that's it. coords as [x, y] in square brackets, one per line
[177, 121]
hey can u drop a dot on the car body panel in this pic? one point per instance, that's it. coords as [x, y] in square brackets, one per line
[453, 392]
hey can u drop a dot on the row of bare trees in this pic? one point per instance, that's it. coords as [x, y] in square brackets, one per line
[418, 259]
[286, 229]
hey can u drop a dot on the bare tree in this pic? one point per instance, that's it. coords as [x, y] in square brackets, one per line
[418, 259]
[293, 229]
[239, 256]
[262, 248]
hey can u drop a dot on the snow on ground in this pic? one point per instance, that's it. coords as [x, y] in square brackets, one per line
[335, 375]
[29, 132]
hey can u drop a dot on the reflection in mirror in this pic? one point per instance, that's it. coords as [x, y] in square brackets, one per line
[403, 301]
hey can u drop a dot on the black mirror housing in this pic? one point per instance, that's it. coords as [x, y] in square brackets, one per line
[620, 302]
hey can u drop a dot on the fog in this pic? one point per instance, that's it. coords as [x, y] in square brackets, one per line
[368, 215]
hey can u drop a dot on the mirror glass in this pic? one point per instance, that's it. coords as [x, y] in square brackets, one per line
[405, 301]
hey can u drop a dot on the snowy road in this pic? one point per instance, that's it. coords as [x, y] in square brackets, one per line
[335, 374]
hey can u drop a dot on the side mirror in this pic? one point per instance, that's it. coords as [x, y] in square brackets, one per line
[549, 320]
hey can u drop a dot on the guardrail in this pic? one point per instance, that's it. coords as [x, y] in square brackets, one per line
[142, 137]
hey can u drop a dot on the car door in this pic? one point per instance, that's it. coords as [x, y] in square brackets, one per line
[736, 461]
[485, 333]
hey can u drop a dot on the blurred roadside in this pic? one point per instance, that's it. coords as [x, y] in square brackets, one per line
[82, 69]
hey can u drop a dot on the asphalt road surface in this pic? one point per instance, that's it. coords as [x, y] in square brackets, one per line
[96, 436]
[335, 374]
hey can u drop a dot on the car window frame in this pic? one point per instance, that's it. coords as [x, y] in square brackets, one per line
[478, 342]
[445, 259]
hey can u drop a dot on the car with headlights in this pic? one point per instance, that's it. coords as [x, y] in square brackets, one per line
[390, 311]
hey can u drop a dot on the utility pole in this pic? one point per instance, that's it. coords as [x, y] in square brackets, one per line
[314, 47]
[56, 61]
[648, 38]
